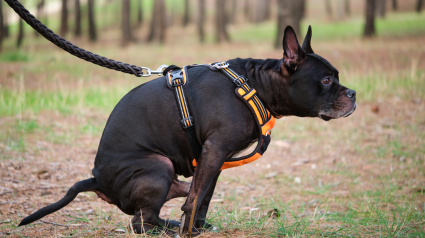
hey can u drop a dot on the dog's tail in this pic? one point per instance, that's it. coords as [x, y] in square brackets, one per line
[82, 186]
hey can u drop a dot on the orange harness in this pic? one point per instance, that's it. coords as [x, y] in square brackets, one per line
[263, 118]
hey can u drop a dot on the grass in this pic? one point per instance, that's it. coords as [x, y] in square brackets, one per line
[14, 56]
[16, 101]
[365, 219]
[395, 24]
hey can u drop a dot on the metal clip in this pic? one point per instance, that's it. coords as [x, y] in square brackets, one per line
[220, 65]
[159, 71]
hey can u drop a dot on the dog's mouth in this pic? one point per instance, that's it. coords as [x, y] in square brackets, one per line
[352, 110]
[328, 117]
[325, 118]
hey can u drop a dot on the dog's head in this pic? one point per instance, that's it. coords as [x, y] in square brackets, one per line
[312, 82]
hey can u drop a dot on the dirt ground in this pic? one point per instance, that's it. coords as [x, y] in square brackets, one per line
[288, 171]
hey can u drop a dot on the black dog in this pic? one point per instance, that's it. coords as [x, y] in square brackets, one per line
[143, 147]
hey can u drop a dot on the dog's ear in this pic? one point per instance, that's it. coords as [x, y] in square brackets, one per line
[307, 42]
[293, 53]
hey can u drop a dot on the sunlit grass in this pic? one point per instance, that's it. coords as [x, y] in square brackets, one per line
[394, 24]
[14, 102]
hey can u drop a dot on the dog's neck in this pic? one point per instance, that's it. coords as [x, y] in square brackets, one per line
[270, 81]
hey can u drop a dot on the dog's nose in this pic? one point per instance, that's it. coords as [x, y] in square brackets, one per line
[351, 94]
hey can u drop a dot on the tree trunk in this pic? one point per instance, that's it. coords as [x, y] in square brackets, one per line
[127, 35]
[340, 10]
[369, 29]
[39, 14]
[158, 23]
[347, 7]
[419, 4]
[201, 20]
[233, 7]
[328, 8]
[77, 30]
[92, 24]
[302, 9]
[395, 5]
[283, 20]
[289, 13]
[5, 24]
[1, 24]
[262, 10]
[297, 10]
[246, 9]
[186, 13]
[220, 22]
[381, 7]
[139, 14]
[64, 18]
[20, 33]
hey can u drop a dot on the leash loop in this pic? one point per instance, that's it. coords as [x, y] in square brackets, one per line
[75, 50]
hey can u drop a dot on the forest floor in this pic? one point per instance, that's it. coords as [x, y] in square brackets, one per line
[358, 176]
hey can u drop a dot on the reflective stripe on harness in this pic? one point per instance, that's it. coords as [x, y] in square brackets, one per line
[177, 78]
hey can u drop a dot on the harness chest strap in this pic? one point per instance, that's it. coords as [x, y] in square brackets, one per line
[176, 79]
[264, 120]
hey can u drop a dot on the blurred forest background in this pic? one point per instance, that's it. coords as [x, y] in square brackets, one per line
[363, 175]
[148, 21]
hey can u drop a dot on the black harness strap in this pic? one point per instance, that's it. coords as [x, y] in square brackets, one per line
[177, 78]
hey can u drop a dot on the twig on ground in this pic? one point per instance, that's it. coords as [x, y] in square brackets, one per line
[52, 223]
[192, 216]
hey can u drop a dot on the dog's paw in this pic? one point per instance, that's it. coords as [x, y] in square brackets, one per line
[171, 224]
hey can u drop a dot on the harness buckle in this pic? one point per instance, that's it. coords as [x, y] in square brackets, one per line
[220, 65]
[239, 83]
[187, 125]
[174, 78]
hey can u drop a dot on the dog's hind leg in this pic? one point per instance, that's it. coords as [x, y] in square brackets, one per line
[178, 189]
[149, 190]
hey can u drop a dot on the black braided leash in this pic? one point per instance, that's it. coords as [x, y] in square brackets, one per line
[68, 46]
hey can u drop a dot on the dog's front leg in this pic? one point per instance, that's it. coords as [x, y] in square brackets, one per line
[203, 209]
[207, 170]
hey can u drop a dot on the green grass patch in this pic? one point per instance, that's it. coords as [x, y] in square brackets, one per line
[12, 137]
[370, 86]
[371, 220]
[394, 24]
[14, 56]
[65, 102]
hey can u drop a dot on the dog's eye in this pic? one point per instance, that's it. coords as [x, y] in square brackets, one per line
[326, 81]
